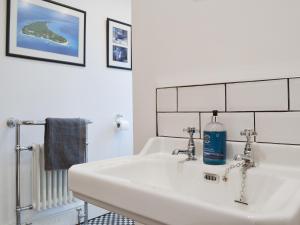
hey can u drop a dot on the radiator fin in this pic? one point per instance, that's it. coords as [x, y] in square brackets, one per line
[49, 188]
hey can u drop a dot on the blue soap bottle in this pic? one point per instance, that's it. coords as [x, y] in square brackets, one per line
[214, 142]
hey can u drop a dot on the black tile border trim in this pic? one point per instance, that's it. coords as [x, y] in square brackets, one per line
[234, 82]
[177, 101]
[234, 141]
[262, 111]
[254, 116]
[200, 125]
[275, 143]
[288, 94]
[164, 136]
[156, 114]
[226, 109]
[225, 97]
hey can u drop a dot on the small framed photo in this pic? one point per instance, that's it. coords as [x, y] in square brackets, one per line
[119, 45]
[46, 30]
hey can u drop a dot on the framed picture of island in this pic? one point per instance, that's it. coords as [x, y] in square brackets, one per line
[46, 30]
[119, 45]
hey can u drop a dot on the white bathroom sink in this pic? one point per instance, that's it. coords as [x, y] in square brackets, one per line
[158, 188]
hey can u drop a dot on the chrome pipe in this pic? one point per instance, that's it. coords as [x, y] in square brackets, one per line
[29, 207]
[18, 180]
[79, 216]
[86, 205]
[86, 214]
[31, 122]
[13, 123]
[19, 148]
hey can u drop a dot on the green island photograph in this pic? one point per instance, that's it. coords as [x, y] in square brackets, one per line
[48, 30]
[40, 30]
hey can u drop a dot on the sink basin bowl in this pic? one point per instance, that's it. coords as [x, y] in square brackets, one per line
[157, 188]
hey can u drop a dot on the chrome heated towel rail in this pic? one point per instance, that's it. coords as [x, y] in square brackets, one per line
[14, 123]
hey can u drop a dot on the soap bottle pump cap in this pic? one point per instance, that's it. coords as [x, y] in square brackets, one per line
[215, 112]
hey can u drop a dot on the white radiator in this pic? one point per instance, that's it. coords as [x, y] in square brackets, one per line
[49, 188]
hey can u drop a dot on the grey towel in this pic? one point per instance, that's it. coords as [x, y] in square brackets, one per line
[65, 143]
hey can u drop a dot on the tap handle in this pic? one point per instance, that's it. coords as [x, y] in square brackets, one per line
[191, 130]
[248, 134]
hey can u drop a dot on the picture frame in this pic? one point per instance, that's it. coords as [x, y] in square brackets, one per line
[47, 31]
[119, 44]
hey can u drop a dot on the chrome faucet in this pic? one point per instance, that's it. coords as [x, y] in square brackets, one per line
[245, 161]
[191, 149]
[247, 157]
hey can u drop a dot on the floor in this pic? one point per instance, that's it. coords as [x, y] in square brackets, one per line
[111, 219]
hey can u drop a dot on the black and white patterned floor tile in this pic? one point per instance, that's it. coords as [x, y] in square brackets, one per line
[111, 219]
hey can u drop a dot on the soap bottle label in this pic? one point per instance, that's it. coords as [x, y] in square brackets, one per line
[214, 145]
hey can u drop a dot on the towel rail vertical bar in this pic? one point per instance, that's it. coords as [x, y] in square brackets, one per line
[86, 209]
[18, 180]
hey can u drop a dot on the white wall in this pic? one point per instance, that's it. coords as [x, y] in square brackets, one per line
[183, 42]
[36, 90]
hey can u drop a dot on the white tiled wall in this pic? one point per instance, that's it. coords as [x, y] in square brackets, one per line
[166, 100]
[271, 107]
[295, 93]
[201, 98]
[258, 96]
[172, 124]
[278, 127]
